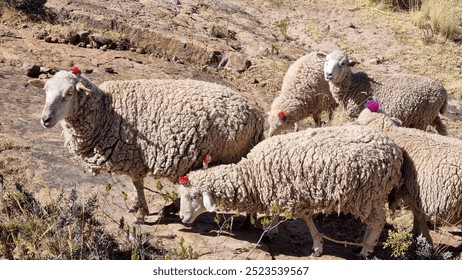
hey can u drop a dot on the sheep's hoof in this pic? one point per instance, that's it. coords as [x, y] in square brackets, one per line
[316, 252]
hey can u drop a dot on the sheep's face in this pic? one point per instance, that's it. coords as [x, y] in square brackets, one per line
[193, 203]
[377, 119]
[336, 66]
[60, 92]
[278, 123]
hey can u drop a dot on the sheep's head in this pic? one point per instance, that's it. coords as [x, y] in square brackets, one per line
[278, 121]
[377, 120]
[193, 202]
[60, 91]
[336, 66]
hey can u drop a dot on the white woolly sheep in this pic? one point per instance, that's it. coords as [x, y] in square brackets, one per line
[413, 99]
[432, 171]
[304, 93]
[161, 128]
[347, 169]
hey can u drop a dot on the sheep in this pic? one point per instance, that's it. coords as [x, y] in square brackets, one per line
[161, 128]
[413, 99]
[304, 93]
[432, 171]
[348, 169]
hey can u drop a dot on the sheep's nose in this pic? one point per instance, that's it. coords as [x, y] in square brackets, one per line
[46, 122]
[328, 76]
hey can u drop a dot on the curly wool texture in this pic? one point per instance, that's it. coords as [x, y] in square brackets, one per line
[304, 93]
[335, 169]
[413, 99]
[163, 128]
[431, 169]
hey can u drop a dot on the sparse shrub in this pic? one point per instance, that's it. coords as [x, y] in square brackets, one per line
[441, 17]
[284, 27]
[66, 228]
[28, 5]
[399, 242]
[403, 246]
[401, 4]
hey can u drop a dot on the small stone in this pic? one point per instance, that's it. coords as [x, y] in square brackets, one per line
[235, 61]
[110, 70]
[141, 50]
[31, 70]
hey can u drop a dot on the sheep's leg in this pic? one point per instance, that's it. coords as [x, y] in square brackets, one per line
[439, 126]
[317, 120]
[296, 127]
[420, 226]
[139, 205]
[330, 114]
[375, 224]
[317, 239]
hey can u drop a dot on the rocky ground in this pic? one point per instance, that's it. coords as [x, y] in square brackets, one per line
[246, 45]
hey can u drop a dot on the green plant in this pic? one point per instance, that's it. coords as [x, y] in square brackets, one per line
[284, 27]
[184, 253]
[399, 243]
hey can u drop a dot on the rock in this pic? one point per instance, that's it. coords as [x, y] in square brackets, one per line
[69, 36]
[110, 70]
[98, 40]
[141, 50]
[31, 70]
[235, 61]
[84, 37]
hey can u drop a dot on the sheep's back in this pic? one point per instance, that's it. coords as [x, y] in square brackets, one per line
[344, 169]
[177, 122]
[414, 99]
[304, 81]
[432, 171]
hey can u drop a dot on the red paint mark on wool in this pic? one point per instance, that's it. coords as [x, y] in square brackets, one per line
[184, 180]
[75, 70]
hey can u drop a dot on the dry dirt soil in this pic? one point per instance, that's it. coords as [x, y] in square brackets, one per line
[188, 39]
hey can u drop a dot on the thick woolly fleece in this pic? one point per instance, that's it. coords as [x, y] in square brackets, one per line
[431, 170]
[304, 93]
[162, 128]
[349, 169]
[413, 99]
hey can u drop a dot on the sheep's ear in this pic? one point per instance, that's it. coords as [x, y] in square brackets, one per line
[80, 87]
[396, 121]
[321, 55]
[209, 201]
[353, 63]
[39, 83]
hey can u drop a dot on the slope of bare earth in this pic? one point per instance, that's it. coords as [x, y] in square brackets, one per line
[246, 45]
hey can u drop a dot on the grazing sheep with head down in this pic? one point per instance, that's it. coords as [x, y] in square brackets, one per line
[304, 93]
[347, 169]
[413, 99]
[432, 171]
[161, 128]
